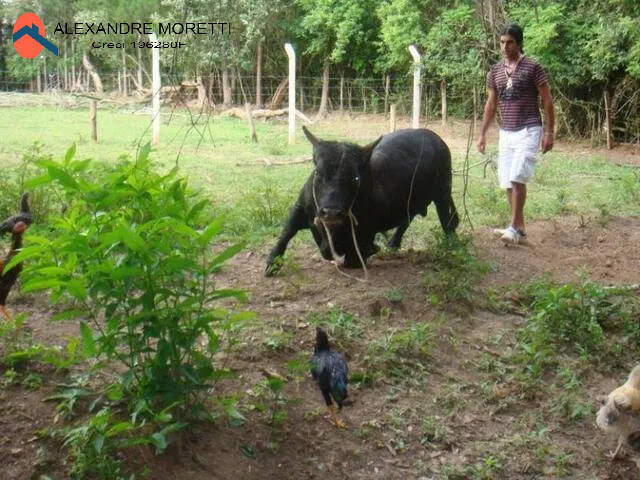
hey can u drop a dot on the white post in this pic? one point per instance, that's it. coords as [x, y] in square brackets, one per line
[292, 92]
[416, 86]
[155, 89]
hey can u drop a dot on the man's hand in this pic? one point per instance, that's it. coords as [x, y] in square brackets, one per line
[482, 142]
[547, 142]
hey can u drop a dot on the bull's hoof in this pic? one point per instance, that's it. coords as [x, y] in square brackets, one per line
[394, 244]
[273, 266]
[352, 262]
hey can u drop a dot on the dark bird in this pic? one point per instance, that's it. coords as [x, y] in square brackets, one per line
[331, 371]
[17, 226]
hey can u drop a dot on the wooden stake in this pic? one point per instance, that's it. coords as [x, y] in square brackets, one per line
[252, 127]
[607, 116]
[392, 118]
[93, 114]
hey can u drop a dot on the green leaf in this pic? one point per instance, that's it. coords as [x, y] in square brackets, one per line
[24, 254]
[77, 289]
[36, 285]
[68, 315]
[159, 441]
[196, 209]
[227, 254]
[143, 155]
[70, 153]
[64, 178]
[38, 181]
[226, 293]
[87, 339]
[131, 239]
[98, 443]
[119, 428]
[211, 231]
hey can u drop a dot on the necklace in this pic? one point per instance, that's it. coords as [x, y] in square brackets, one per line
[506, 72]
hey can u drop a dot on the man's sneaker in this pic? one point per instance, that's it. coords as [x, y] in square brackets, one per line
[498, 232]
[511, 236]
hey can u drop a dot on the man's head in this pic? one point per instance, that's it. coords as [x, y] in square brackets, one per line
[511, 41]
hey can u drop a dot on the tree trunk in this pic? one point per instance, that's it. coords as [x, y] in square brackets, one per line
[66, 67]
[39, 81]
[387, 86]
[475, 108]
[607, 118]
[301, 95]
[140, 84]
[252, 126]
[226, 87]
[90, 69]
[125, 83]
[93, 113]
[259, 75]
[364, 99]
[202, 92]
[324, 99]
[234, 79]
[341, 92]
[443, 101]
[119, 82]
[45, 76]
[73, 65]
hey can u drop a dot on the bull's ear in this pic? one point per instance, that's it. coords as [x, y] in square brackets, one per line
[368, 149]
[312, 139]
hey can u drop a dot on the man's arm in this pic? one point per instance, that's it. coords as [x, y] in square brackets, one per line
[549, 117]
[489, 112]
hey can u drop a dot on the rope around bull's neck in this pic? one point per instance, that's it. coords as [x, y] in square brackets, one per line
[352, 220]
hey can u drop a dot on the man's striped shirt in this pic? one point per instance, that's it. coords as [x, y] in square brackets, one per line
[518, 104]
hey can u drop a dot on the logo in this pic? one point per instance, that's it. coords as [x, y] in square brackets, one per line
[29, 36]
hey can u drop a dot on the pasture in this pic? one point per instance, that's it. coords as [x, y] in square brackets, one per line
[469, 360]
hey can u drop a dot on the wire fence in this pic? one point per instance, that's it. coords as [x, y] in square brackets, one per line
[357, 95]
[372, 95]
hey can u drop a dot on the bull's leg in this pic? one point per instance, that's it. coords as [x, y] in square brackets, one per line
[297, 221]
[447, 213]
[367, 248]
[323, 244]
[396, 239]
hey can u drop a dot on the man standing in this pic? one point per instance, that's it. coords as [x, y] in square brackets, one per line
[515, 83]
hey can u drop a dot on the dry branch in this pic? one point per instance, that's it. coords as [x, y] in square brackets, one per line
[263, 113]
[266, 162]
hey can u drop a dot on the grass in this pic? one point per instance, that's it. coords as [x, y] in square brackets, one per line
[217, 155]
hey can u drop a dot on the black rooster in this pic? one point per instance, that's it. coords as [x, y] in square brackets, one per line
[16, 225]
[330, 370]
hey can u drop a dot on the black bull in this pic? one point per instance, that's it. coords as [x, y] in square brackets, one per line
[384, 185]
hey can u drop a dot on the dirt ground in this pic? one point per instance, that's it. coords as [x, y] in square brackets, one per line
[387, 435]
[307, 446]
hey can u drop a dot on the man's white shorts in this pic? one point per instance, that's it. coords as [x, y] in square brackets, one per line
[518, 153]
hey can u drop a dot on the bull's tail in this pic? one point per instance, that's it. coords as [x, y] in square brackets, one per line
[447, 213]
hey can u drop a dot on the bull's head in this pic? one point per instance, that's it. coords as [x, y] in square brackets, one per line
[341, 171]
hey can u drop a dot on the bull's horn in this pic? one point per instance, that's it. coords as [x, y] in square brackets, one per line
[312, 139]
[369, 148]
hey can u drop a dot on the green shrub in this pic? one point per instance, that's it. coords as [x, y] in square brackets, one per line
[130, 260]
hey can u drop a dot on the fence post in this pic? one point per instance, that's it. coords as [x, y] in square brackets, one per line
[392, 118]
[415, 123]
[292, 92]
[155, 89]
[93, 114]
[252, 127]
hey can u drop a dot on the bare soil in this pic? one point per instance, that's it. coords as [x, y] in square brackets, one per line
[385, 436]
[473, 420]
